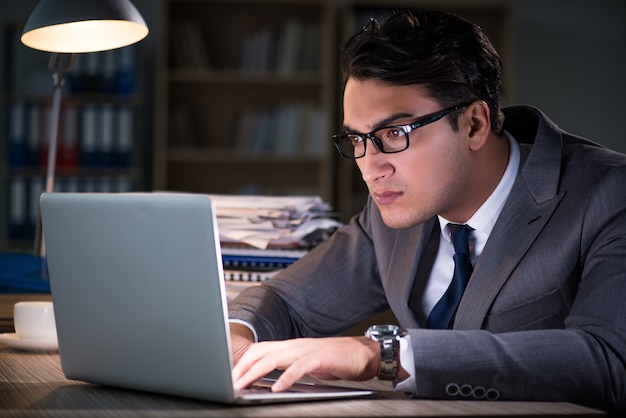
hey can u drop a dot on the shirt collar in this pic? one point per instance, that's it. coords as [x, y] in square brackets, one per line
[485, 217]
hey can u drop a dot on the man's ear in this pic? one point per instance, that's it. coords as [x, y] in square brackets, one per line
[477, 119]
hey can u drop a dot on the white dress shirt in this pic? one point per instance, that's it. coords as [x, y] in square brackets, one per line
[482, 222]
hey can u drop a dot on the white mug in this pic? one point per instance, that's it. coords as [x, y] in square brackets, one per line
[34, 321]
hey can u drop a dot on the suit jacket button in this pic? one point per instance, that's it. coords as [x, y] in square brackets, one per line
[466, 390]
[492, 395]
[452, 389]
[479, 392]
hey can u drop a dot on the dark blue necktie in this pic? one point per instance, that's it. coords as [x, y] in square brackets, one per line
[443, 312]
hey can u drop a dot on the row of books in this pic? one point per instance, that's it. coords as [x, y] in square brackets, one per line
[106, 72]
[188, 48]
[90, 135]
[287, 129]
[23, 198]
[293, 48]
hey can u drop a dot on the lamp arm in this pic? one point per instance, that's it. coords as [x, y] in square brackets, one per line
[59, 64]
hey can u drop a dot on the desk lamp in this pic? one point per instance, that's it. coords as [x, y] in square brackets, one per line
[66, 27]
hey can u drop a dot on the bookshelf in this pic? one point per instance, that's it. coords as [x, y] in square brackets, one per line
[245, 97]
[221, 93]
[494, 17]
[98, 130]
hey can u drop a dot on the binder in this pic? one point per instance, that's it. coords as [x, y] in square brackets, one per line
[17, 134]
[106, 127]
[251, 259]
[256, 263]
[248, 276]
[18, 203]
[125, 137]
[34, 135]
[88, 138]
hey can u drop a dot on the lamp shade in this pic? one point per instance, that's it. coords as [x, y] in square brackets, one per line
[77, 26]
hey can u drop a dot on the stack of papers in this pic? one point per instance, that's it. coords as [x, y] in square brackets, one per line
[261, 235]
[263, 222]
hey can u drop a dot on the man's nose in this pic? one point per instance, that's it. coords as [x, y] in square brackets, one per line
[374, 166]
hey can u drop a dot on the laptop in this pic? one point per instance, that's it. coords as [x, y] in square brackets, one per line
[139, 296]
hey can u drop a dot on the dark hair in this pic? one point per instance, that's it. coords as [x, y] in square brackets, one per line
[445, 54]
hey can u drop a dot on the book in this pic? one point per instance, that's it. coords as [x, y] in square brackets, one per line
[255, 51]
[105, 123]
[34, 135]
[109, 64]
[88, 136]
[290, 42]
[67, 148]
[188, 47]
[18, 203]
[125, 137]
[125, 71]
[36, 186]
[17, 134]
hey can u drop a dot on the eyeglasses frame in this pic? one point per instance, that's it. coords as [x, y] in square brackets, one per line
[407, 129]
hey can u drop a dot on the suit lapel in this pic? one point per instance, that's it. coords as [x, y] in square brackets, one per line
[403, 265]
[522, 219]
[532, 200]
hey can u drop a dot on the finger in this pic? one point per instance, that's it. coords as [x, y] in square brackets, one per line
[264, 358]
[256, 372]
[253, 354]
[257, 362]
[292, 374]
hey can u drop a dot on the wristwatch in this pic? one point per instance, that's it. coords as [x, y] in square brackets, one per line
[388, 337]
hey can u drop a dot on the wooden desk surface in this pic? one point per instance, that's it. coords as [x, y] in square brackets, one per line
[33, 385]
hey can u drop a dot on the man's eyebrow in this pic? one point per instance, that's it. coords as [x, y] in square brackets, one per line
[389, 120]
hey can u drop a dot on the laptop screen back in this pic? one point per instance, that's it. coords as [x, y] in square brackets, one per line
[138, 293]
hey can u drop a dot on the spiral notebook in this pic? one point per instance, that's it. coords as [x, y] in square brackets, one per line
[139, 296]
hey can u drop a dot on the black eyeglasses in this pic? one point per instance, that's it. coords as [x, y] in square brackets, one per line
[389, 139]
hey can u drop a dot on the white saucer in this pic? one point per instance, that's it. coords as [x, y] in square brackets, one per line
[12, 340]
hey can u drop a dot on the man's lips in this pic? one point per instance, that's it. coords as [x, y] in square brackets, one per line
[385, 197]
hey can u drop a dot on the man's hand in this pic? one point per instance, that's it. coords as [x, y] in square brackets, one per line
[347, 358]
[241, 338]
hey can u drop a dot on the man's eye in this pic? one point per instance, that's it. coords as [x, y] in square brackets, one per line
[355, 140]
[392, 133]
[395, 132]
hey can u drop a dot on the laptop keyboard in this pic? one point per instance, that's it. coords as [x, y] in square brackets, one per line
[263, 387]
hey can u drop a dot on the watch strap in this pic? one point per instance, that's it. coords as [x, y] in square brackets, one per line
[388, 339]
[389, 347]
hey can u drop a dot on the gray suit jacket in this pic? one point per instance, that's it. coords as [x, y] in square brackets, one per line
[543, 316]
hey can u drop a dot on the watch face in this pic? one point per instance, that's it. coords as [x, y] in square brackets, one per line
[387, 328]
[378, 330]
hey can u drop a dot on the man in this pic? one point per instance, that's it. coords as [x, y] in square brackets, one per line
[543, 316]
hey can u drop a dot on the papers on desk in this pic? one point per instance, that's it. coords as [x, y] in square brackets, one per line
[261, 235]
[263, 222]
